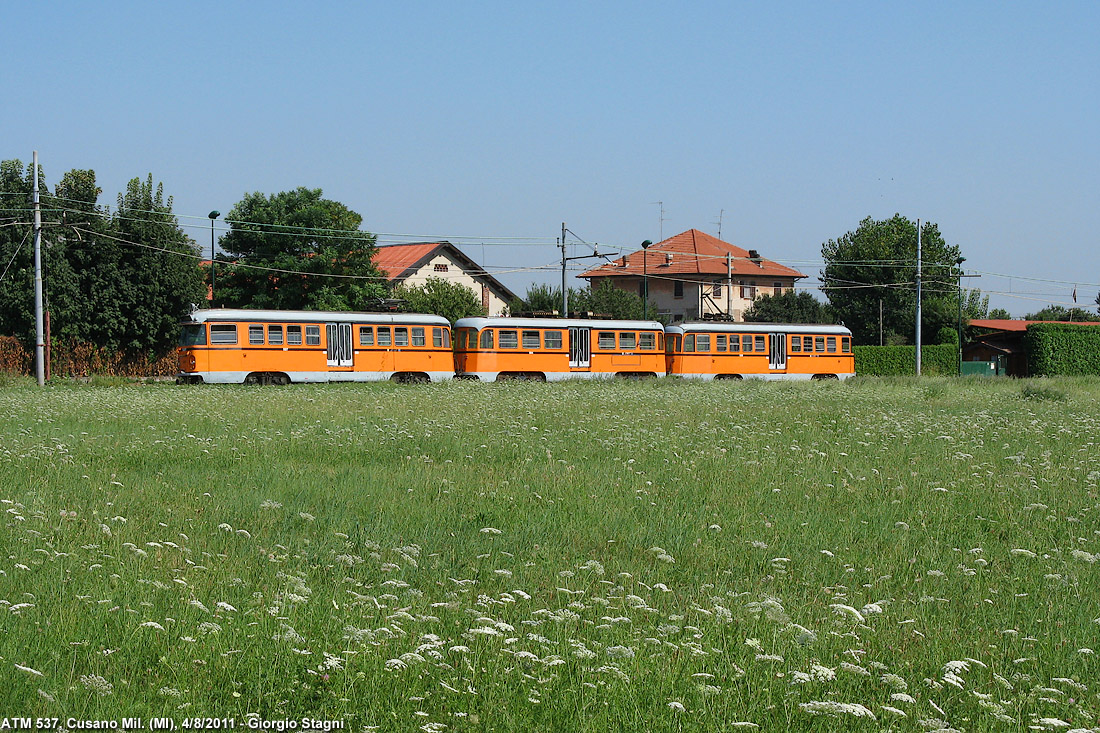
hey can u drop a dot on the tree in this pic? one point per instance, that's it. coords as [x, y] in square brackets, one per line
[877, 262]
[607, 300]
[1061, 313]
[542, 299]
[297, 250]
[443, 298]
[788, 307]
[121, 282]
[999, 314]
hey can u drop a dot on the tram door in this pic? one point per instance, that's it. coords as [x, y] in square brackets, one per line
[339, 349]
[777, 359]
[580, 348]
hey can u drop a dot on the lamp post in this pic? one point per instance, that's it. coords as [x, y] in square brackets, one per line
[645, 278]
[958, 264]
[213, 215]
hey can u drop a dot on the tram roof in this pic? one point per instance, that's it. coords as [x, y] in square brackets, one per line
[481, 322]
[742, 327]
[248, 314]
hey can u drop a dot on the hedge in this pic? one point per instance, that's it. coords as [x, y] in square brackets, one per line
[84, 360]
[891, 361]
[1062, 349]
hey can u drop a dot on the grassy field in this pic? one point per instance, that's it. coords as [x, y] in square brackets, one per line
[879, 555]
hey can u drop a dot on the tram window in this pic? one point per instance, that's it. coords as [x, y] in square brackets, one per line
[509, 339]
[418, 336]
[702, 342]
[194, 334]
[531, 340]
[275, 335]
[313, 335]
[760, 343]
[720, 342]
[400, 336]
[689, 343]
[661, 341]
[552, 339]
[646, 342]
[735, 343]
[437, 337]
[446, 338]
[294, 335]
[606, 340]
[746, 343]
[223, 333]
[796, 344]
[819, 344]
[255, 334]
[808, 344]
[628, 340]
[846, 345]
[831, 341]
[487, 339]
[384, 336]
[366, 336]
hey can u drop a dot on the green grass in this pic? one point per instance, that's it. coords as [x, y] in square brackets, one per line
[647, 555]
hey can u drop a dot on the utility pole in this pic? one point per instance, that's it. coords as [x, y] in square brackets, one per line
[918, 297]
[564, 290]
[39, 347]
[729, 284]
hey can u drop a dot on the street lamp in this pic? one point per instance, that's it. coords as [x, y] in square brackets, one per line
[213, 215]
[958, 264]
[645, 278]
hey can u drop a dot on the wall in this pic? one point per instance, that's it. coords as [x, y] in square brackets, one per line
[456, 274]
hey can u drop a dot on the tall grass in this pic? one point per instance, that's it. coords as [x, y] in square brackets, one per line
[902, 554]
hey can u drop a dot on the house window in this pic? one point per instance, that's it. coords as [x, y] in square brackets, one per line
[275, 335]
[777, 288]
[678, 289]
[223, 333]
[255, 334]
[313, 335]
[748, 289]
[509, 339]
[366, 336]
[294, 335]
[552, 339]
[717, 290]
[441, 267]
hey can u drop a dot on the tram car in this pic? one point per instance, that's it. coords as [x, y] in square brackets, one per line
[711, 350]
[554, 349]
[238, 346]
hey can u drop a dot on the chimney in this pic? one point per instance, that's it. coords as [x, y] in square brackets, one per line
[755, 257]
[668, 259]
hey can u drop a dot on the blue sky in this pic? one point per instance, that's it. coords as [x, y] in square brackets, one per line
[493, 123]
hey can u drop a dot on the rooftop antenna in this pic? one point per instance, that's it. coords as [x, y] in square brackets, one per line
[661, 220]
[720, 215]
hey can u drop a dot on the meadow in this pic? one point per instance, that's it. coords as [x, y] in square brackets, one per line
[882, 554]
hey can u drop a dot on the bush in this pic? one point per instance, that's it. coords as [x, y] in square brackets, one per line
[884, 361]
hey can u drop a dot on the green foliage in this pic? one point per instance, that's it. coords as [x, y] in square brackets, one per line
[1062, 349]
[441, 297]
[788, 307]
[1041, 393]
[947, 335]
[541, 299]
[1061, 313]
[298, 251]
[878, 262]
[121, 281]
[999, 314]
[889, 361]
[607, 300]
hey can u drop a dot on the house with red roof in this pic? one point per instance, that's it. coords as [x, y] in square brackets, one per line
[413, 264]
[694, 275]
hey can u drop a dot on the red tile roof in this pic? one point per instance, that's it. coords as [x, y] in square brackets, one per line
[395, 259]
[1007, 324]
[692, 253]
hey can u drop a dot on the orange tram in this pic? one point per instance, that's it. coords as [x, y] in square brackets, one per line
[235, 346]
[553, 349]
[712, 350]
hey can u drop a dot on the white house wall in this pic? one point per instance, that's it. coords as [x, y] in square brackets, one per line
[455, 274]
